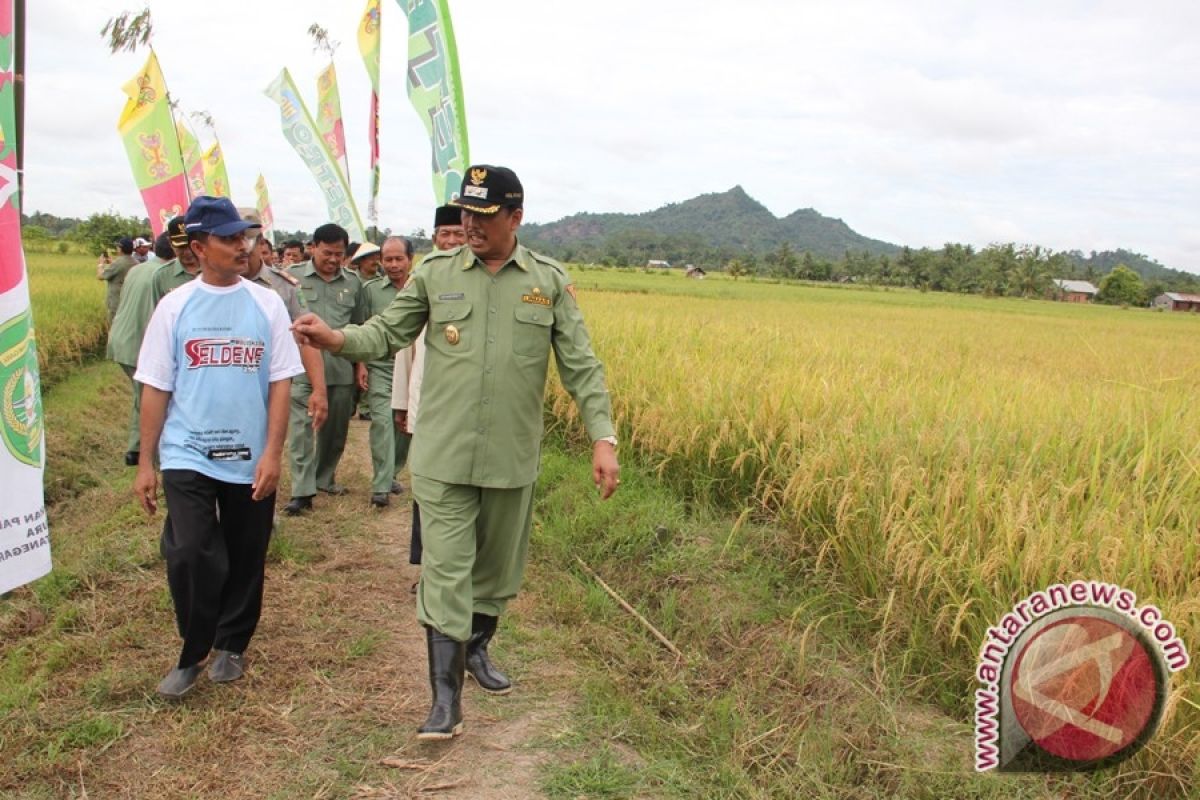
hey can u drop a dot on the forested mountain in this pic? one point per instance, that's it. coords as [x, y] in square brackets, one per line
[709, 229]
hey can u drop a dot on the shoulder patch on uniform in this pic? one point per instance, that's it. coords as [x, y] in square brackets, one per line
[570, 289]
[550, 262]
[287, 276]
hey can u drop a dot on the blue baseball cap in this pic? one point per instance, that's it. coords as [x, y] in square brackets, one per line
[215, 215]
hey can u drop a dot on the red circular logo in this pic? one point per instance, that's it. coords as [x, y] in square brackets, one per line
[1084, 688]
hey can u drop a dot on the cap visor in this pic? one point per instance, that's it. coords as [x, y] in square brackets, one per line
[230, 228]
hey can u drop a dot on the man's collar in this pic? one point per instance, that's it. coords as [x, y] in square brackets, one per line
[519, 256]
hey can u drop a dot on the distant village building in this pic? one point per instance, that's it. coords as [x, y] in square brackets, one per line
[652, 264]
[1175, 301]
[694, 272]
[1075, 291]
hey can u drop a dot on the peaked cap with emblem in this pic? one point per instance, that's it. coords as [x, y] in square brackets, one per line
[487, 189]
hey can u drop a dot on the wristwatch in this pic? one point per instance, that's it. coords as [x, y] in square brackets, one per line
[610, 439]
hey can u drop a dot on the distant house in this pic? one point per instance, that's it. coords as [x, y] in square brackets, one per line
[1075, 291]
[1175, 301]
[652, 264]
[694, 272]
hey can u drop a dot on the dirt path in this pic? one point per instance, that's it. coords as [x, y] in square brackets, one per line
[336, 683]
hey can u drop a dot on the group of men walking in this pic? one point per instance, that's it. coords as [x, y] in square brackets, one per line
[452, 356]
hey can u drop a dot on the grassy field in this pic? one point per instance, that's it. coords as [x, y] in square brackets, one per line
[69, 312]
[940, 456]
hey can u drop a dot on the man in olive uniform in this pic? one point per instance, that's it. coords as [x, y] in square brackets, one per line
[175, 273]
[115, 273]
[335, 295]
[129, 326]
[389, 443]
[288, 288]
[495, 310]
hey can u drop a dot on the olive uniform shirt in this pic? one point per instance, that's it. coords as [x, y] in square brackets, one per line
[380, 293]
[133, 314]
[115, 273]
[284, 285]
[338, 302]
[487, 352]
[168, 276]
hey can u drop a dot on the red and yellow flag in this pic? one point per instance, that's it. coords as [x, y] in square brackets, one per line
[148, 131]
[329, 118]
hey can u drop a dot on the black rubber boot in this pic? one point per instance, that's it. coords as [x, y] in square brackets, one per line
[479, 666]
[446, 658]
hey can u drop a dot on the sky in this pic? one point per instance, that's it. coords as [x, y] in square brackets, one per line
[1066, 123]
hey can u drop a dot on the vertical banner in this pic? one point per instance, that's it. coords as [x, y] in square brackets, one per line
[262, 204]
[435, 89]
[216, 179]
[24, 536]
[193, 158]
[329, 118]
[147, 129]
[369, 42]
[301, 132]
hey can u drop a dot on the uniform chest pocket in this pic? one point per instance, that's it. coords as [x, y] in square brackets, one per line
[531, 330]
[310, 295]
[449, 328]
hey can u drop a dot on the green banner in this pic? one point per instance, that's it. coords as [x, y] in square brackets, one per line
[301, 132]
[435, 89]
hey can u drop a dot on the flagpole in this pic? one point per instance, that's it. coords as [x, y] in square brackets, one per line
[19, 94]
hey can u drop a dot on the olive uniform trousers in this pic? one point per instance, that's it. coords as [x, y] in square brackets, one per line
[476, 541]
[135, 418]
[313, 463]
[389, 444]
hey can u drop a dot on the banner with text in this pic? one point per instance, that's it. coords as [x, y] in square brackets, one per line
[369, 43]
[435, 89]
[147, 129]
[301, 133]
[24, 536]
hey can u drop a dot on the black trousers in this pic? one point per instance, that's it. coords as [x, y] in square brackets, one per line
[215, 543]
[414, 544]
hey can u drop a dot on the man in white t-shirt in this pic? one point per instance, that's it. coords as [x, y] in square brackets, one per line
[216, 364]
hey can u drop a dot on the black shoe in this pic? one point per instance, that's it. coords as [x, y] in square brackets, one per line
[380, 500]
[131, 458]
[479, 666]
[365, 416]
[298, 505]
[337, 490]
[397, 487]
[446, 658]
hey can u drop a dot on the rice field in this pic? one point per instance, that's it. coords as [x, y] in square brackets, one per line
[69, 314]
[941, 456]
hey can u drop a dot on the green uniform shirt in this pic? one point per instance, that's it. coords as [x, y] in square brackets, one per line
[285, 286]
[115, 274]
[338, 302]
[380, 293]
[168, 276]
[133, 314]
[487, 350]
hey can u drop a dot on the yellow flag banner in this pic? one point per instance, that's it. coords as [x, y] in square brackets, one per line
[329, 118]
[216, 179]
[193, 158]
[147, 129]
[262, 204]
[369, 43]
